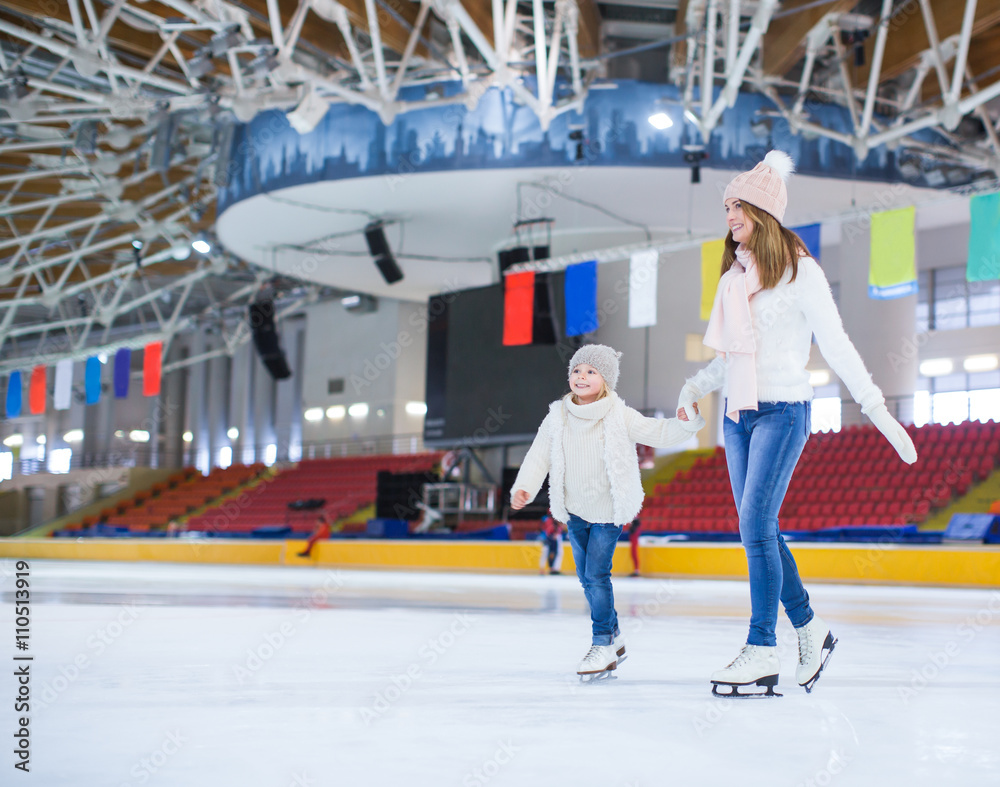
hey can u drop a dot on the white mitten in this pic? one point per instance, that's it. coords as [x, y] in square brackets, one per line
[689, 395]
[894, 433]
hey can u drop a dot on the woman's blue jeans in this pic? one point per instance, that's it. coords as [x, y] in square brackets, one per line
[762, 449]
[593, 550]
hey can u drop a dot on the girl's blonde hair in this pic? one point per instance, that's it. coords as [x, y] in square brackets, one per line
[605, 391]
[773, 246]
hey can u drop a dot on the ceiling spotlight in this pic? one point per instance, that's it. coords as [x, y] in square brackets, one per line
[224, 41]
[137, 244]
[201, 245]
[694, 155]
[307, 115]
[661, 121]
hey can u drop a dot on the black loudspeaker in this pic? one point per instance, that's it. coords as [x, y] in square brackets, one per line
[265, 339]
[378, 246]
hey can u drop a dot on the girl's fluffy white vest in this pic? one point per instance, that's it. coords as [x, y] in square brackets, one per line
[620, 461]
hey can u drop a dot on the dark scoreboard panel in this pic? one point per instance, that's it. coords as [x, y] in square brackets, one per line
[480, 392]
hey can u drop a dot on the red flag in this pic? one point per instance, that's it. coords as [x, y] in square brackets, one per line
[152, 362]
[518, 307]
[36, 391]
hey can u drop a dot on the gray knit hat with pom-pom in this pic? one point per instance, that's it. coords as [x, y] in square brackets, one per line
[602, 358]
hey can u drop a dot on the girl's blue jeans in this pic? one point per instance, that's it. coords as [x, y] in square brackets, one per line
[593, 550]
[762, 449]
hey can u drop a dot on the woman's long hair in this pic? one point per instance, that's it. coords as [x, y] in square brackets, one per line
[773, 246]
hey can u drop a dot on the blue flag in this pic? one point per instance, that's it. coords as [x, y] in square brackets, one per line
[581, 298]
[14, 395]
[92, 380]
[810, 236]
[123, 368]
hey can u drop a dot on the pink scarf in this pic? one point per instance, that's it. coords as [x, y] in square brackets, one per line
[730, 331]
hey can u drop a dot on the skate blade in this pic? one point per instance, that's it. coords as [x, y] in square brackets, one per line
[768, 682]
[828, 645]
[621, 655]
[597, 677]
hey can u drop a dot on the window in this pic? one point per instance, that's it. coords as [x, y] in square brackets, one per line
[60, 460]
[225, 456]
[826, 414]
[6, 465]
[955, 398]
[946, 301]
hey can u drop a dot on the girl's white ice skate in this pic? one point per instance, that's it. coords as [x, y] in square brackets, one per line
[756, 664]
[598, 664]
[619, 645]
[815, 639]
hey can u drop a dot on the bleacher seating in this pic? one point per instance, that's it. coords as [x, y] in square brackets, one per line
[845, 478]
[346, 483]
[168, 501]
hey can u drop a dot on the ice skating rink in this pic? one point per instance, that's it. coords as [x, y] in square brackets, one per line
[162, 674]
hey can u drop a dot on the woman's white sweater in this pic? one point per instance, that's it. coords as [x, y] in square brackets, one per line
[785, 318]
[589, 453]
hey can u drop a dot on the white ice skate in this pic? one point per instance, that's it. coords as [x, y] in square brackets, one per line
[619, 646]
[598, 664]
[756, 664]
[815, 639]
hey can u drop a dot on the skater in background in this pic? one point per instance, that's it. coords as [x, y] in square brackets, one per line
[551, 536]
[586, 445]
[771, 299]
[633, 544]
[322, 531]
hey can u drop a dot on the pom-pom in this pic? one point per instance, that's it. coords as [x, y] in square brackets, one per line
[781, 163]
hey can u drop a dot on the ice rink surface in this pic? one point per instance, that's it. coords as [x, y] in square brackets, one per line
[154, 674]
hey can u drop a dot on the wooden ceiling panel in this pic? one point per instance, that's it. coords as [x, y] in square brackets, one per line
[907, 38]
[784, 43]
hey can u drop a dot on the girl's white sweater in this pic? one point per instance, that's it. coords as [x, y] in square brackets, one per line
[589, 453]
[785, 318]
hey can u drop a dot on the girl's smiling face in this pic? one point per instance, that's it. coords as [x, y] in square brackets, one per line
[586, 383]
[739, 223]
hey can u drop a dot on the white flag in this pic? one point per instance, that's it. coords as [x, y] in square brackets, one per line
[642, 289]
[63, 394]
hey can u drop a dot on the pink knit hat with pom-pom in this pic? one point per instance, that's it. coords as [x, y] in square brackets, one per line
[764, 185]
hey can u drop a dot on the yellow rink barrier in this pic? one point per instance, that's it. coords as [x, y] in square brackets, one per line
[951, 565]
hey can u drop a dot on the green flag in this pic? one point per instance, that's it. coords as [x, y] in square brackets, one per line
[984, 238]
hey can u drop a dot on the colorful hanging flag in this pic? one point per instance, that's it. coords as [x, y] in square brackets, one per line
[518, 307]
[892, 269]
[62, 396]
[123, 368]
[711, 272]
[92, 380]
[14, 395]
[810, 236]
[642, 274]
[984, 238]
[152, 367]
[581, 298]
[36, 391]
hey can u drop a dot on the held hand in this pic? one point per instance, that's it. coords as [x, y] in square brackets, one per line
[688, 402]
[894, 433]
[682, 413]
[519, 499]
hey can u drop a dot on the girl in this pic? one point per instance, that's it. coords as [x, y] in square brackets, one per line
[586, 445]
[771, 299]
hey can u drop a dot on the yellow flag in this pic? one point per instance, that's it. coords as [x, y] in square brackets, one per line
[711, 265]
[892, 270]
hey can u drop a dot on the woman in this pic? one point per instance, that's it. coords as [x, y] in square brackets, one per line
[771, 299]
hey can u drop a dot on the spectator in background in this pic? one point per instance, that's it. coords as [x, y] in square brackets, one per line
[322, 531]
[633, 543]
[551, 536]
